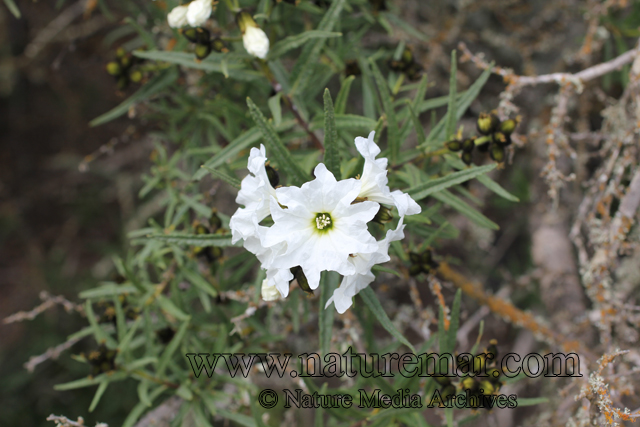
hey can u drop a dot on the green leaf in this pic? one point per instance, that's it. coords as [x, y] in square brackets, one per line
[240, 143]
[347, 122]
[422, 137]
[108, 290]
[309, 57]
[292, 42]
[213, 63]
[331, 152]
[99, 392]
[172, 347]
[325, 315]
[453, 89]
[370, 298]
[423, 190]
[154, 86]
[232, 181]
[276, 108]
[466, 210]
[168, 306]
[99, 334]
[87, 382]
[461, 106]
[148, 38]
[200, 282]
[13, 8]
[200, 240]
[343, 95]
[455, 161]
[275, 146]
[393, 132]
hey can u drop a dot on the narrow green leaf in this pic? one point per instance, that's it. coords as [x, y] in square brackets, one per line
[420, 93]
[99, 392]
[201, 240]
[325, 316]
[124, 343]
[13, 8]
[309, 57]
[275, 146]
[466, 210]
[213, 63]
[240, 143]
[275, 106]
[172, 347]
[462, 104]
[155, 85]
[137, 410]
[393, 131]
[343, 95]
[99, 334]
[453, 89]
[425, 189]
[168, 306]
[143, 392]
[455, 161]
[232, 181]
[346, 122]
[108, 290]
[200, 282]
[86, 382]
[370, 298]
[292, 42]
[331, 152]
[422, 137]
[146, 36]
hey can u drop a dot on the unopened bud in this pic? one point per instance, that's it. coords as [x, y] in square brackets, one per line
[214, 220]
[126, 61]
[468, 145]
[218, 45]
[135, 76]
[269, 292]
[301, 279]
[467, 157]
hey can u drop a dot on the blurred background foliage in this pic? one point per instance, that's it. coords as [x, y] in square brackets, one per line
[70, 192]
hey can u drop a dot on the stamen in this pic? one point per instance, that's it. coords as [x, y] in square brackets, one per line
[322, 221]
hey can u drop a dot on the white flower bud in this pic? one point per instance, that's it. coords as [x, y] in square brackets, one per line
[269, 292]
[198, 12]
[256, 42]
[178, 17]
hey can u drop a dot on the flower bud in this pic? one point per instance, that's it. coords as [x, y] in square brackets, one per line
[383, 216]
[198, 12]
[497, 153]
[255, 40]
[120, 52]
[202, 50]
[468, 384]
[191, 34]
[414, 71]
[178, 17]
[126, 61]
[165, 335]
[487, 123]
[486, 387]
[453, 145]
[352, 68]
[502, 139]
[113, 68]
[269, 293]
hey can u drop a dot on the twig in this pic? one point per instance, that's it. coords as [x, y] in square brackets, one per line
[62, 421]
[51, 353]
[49, 301]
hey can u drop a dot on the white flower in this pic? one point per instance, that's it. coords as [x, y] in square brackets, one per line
[178, 17]
[320, 226]
[198, 12]
[351, 285]
[256, 41]
[255, 192]
[269, 292]
[374, 179]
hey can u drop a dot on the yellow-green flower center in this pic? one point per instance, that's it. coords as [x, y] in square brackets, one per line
[323, 222]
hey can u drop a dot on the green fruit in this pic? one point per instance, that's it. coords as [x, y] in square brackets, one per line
[135, 76]
[202, 50]
[487, 123]
[508, 126]
[454, 145]
[497, 153]
[113, 68]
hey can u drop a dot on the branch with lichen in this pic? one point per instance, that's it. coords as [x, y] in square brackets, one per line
[508, 311]
[62, 421]
[49, 301]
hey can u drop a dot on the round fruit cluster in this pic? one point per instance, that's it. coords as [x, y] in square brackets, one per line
[495, 135]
